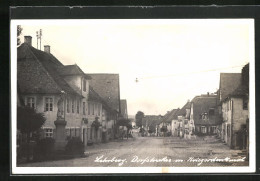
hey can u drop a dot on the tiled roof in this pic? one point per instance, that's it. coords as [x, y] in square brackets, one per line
[202, 104]
[182, 111]
[168, 117]
[107, 86]
[240, 91]
[38, 72]
[72, 70]
[152, 120]
[229, 82]
[93, 96]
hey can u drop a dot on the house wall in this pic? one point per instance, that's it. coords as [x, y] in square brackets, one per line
[174, 127]
[76, 82]
[239, 114]
[94, 109]
[226, 125]
[74, 120]
[234, 116]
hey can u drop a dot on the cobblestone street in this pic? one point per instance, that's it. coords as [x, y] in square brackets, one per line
[152, 152]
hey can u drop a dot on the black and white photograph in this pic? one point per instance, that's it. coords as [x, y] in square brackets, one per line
[133, 96]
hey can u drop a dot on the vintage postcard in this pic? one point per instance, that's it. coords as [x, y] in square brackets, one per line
[133, 96]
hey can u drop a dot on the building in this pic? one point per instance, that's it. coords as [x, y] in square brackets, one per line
[59, 90]
[205, 114]
[99, 109]
[107, 87]
[123, 104]
[184, 125]
[151, 124]
[234, 108]
[175, 125]
[168, 121]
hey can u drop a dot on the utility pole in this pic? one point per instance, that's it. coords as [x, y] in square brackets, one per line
[39, 36]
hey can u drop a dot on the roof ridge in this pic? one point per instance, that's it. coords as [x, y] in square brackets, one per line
[27, 46]
[55, 70]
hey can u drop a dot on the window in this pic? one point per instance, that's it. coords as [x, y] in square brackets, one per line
[30, 101]
[72, 106]
[245, 104]
[68, 106]
[214, 129]
[77, 132]
[84, 85]
[93, 109]
[228, 130]
[84, 108]
[48, 132]
[91, 133]
[99, 109]
[203, 129]
[211, 111]
[68, 132]
[88, 108]
[78, 106]
[48, 104]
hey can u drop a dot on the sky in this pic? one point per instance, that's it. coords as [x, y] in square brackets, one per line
[173, 60]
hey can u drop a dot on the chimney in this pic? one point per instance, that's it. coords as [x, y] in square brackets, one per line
[47, 48]
[28, 40]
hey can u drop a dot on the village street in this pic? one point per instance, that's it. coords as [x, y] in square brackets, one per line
[151, 152]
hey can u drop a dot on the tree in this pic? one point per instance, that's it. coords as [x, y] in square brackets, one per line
[138, 118]
[28, 121]
[19, 32]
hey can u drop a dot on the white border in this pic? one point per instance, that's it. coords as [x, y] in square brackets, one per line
[92, 170]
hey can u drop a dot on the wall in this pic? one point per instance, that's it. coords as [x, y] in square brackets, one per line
[226, 125]
[74, 120]
[97, 111]
[231, 127]
[175, 125]
[76, 82]
[51, 116]
[239, 115]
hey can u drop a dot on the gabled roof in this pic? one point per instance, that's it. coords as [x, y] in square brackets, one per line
[169, 116]
[229, 82]
[107, 86]
[72, 70]
[93, 96]
[152, 120]
[38, 72]
[241, 91]
[202, 104]
[182, 111]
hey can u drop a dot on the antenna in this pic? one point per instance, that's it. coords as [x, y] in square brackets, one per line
[39, 36]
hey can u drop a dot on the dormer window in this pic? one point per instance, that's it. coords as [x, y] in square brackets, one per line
[84, 85]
